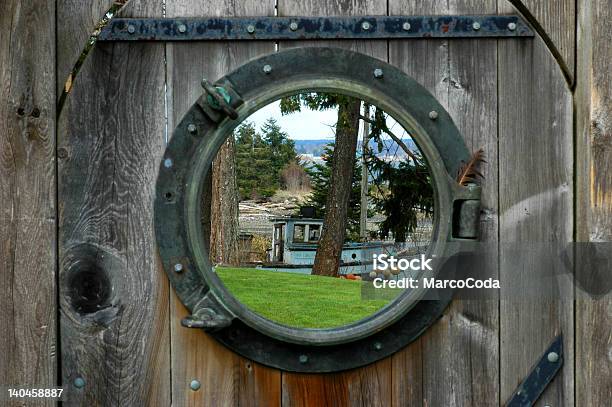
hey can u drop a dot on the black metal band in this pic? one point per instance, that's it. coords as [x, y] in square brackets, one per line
[541, 375]
[308, 28]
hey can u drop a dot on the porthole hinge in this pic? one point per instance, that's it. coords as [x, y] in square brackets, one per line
[219, 101]
[208, 314]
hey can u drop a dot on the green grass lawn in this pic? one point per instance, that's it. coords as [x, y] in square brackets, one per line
[299, 300]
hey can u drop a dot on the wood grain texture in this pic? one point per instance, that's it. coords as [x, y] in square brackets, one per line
[459, 354]
[226, 379]
[77, 20]
[27, 196]
[367, 386]
[371, 385]
[593, 200]
[113, 292]
[557, 19]
[536, 213]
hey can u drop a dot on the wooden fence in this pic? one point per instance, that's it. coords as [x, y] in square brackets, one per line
[79, 183]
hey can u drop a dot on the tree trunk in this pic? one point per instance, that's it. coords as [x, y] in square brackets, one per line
[363, 218]
[327, 259]
[221, 208]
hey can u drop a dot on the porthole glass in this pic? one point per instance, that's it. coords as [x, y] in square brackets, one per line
[317, 187]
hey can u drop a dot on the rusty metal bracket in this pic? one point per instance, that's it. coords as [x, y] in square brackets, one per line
[540, 377]
[313, 28]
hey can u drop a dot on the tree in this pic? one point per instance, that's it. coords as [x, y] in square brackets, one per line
[261, 158]
[294, 177]
[329, 253]
[281, 148]
[405, 190]
[327, 259]
[254, 169]
[224, 207]
[320, 178]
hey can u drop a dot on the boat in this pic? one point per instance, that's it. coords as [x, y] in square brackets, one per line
[295, 240]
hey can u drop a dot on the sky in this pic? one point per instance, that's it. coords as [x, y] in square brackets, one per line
[310, 124]
[304, 125]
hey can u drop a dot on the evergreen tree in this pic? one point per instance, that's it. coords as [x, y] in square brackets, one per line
[404, 190]
[261, 158]
[255, 172]
[320, 174]
[281, 147]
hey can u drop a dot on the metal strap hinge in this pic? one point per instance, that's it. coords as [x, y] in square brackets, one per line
[313, 28]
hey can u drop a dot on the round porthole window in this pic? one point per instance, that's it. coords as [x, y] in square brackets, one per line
[312, 213]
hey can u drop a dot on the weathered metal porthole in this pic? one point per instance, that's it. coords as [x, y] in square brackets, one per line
[188, 158]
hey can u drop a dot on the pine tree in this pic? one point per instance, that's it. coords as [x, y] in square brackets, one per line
[281, 148]
[255, 172]
[320, 175]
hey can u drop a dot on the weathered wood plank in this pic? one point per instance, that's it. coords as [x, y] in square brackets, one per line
[113, 292]
[459, 355]
[77, 22]
[367, 386]
[536, 212]
[557, 18]
[226, 379]
[27, 196]
[371, 385]
[593, 200]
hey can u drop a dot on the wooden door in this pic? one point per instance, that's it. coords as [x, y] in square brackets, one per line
[120, 333]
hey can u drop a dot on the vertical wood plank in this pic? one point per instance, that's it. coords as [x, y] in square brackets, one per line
[113, 292]
[77, 20]
[226, 378]
[459, 355]
[27, 196]
[558, 20]
[371, 385]
[594, 202]
[536, 208]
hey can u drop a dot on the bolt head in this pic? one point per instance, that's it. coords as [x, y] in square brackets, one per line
[191, 128]
[131, 29]
[512, 26]
[406, 26]
[79, 382]
[378, 346]
[182, 28]
[195, 385]
[303, 359]
[433, 115]
[378, 73]
[178, 268]
[553, 357]
[476, 26]
[168, 162]
[366, 26]
[250, 28]
[267, 69]
[293, 26]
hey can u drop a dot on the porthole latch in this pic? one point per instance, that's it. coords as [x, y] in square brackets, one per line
[466, 213]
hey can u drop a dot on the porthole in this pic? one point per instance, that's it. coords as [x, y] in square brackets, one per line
[182, 239]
